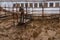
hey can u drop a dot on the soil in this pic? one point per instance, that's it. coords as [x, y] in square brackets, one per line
[35, 30]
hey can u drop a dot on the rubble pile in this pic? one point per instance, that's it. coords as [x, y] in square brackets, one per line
[35, 30]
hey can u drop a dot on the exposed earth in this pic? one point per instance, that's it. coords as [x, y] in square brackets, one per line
[35, 30]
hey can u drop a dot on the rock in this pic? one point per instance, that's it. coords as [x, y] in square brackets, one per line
[6, 38]
[31, 38]
[1, 38]
[45, 38]
[51, 33]
[7, 27]
[58, 31]
[42, 36]
[57, 36]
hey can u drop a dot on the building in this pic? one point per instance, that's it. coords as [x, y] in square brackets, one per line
[36, 7]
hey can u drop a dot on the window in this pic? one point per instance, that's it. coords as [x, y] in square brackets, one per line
[51, 4]
[26, 4]
[40, 4]
[35, 5]
[13, 5]
[22, 5]
[45, 5]
[31, 4]
[56, 4]
[16, 5]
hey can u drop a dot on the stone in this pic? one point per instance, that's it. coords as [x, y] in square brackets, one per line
[51, 33]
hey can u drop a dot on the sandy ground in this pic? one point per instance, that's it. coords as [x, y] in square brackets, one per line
[35, 30]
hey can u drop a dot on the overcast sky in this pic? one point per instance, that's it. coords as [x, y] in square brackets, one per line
[7, 4]
[19, 0]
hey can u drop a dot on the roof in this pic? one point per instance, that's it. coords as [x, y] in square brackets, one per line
[26, 0]
[21, 0]
[53, 0]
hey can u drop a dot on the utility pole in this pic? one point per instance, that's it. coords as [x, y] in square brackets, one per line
[43, 10]
[26, 8]
[59, 12]
[5, 9]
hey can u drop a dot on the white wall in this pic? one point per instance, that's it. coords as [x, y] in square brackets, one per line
[37, 11]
